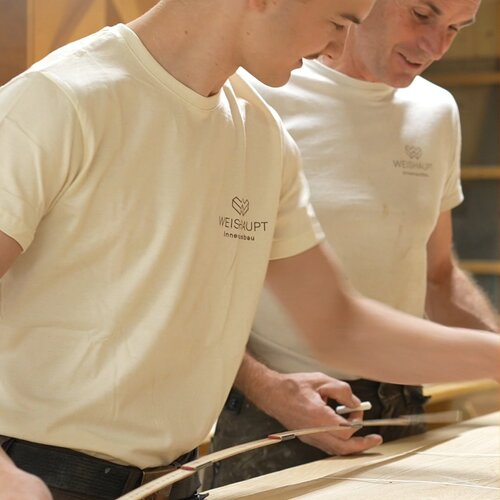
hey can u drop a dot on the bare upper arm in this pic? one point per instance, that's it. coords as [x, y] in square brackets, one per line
[9, 251]
[311, 288]
[440, 258]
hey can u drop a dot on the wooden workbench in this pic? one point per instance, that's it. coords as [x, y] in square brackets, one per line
[459, 461]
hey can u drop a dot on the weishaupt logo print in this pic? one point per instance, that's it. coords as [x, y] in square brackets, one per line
[413, 164]
[242, 227]
[414, 152]
[241, 206]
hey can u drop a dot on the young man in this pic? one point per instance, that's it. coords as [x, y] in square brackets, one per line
[381, 150]
[142, 197]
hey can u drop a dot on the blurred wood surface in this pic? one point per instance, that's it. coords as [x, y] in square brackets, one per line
[459, 461]
[30, 29]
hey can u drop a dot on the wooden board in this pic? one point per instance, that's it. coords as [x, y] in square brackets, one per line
[451, 391]
[53, 23]
[13, 17]
[460, 461]
[480, 40]
[30, 29]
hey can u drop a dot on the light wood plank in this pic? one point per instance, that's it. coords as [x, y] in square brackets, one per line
[126, 11]
[446, 392]
[481, 266]
[13, 17]
[460, 461]
[57, 22]
[480, 40]
[53, 23]
[471, 79]
[472, 173]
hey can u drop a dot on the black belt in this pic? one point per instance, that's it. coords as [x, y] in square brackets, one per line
[76, 472]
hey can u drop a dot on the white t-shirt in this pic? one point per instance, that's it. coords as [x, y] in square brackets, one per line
[382, 165]
[147, 215]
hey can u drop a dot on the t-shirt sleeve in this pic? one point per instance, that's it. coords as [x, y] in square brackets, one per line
[40, 147]
[453, 194]
[297, 228]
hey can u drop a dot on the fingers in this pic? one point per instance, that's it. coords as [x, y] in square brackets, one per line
[305, 406]
[335, 445]
[358, 444]
[339, 391]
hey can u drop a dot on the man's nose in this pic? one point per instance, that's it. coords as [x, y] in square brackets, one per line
[335, 47]
[435, 43]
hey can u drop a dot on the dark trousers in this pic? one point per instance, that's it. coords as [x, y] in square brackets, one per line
[240, 422]
[72, 475]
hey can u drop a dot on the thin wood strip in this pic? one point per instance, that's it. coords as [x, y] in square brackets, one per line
[481, 266]
[200, 463]
[392, 480]
[451, 391]
[317, 479]
[471, 173]
[469, 79]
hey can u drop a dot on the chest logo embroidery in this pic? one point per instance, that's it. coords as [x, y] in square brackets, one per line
[413, 164]
[241, 206]
[414, 152]
[242, 228]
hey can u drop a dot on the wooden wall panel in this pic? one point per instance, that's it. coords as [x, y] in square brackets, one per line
[120, 11]
[53, 23]
[480, 40]
[12, 38]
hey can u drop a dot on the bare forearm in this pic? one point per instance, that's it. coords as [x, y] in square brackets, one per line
[358, 335]
[9, 251]
[380, 343]
[458, 301]
[255, 381]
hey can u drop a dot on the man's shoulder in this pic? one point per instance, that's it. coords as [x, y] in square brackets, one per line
[85, 63]
[246, 88]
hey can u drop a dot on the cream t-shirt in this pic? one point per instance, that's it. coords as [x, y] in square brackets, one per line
[382, 164]
[147, 215]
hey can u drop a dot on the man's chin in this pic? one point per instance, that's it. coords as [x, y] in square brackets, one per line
[397, 80]
[404, 81]
[276, 82]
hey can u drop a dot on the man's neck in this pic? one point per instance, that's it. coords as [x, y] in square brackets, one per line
[345, 65]
[195, 43]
